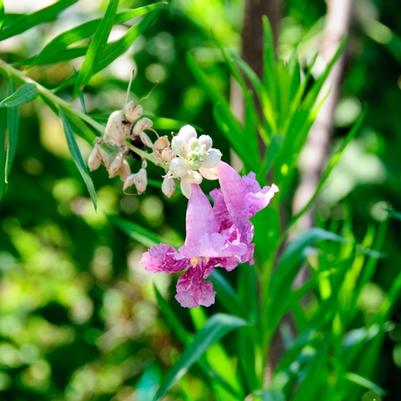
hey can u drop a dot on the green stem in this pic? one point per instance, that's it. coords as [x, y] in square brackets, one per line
[50, 96]
[145, 155]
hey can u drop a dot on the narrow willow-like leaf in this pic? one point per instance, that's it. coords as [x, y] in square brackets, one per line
[96, 46]
[3, 128]
[77, 157]
[115, 49]
[172, 319]
[25, 22]
[270, 156]
[24, 94]
[314, 380]
[137, 232]
[217, 327]
[365, 383]
[293, 255]
[56, 48]
[1, 15]
[227, 295]
[12, 137]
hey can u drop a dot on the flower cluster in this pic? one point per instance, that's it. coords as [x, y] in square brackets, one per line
[124, 127]
[216, 236]
[186, 158]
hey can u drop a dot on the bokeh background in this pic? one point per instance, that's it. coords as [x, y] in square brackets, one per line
[78, 317]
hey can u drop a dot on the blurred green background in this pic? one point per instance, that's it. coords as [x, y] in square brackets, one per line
[78, 317]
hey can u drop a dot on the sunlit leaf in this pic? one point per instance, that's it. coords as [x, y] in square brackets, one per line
[217, 327]
[96, 46]
[12, 137]
[25, 22]
[77, 157]
[24, 94]
[137, 232]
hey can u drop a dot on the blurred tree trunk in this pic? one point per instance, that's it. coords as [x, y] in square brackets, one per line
[337, 25]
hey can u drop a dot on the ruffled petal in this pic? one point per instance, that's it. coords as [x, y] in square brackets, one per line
[200, 219]
[163, 258]
[193, 291]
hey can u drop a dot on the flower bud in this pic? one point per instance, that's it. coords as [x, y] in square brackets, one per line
[161, 143]
[167, 155]
[145, 139]
[117, 129]
[124, 171]
[142, 125]
[212, 158]
[187, 132]
[209, 173]
[132, 111]
[94, 159]
[168, 186]
[206, 141]
[177, 167]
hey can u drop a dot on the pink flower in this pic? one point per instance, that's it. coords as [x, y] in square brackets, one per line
[218, 236]
[204, 249]
[239, 199]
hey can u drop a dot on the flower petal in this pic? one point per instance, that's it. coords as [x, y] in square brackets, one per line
[193, 291]
[163, 258]
[200, 219]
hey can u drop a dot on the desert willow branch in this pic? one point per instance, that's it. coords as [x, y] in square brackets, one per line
[51, 97]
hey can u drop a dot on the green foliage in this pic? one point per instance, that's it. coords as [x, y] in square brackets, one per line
[80, 320]
[78, 160]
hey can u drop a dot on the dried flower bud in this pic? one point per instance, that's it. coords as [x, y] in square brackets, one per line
[168, 186]
[167, 155]
[161, 143]
[132, 111]
[142, 125]
[117, 129]
[95, 158]
[125, 170]
[139, 179]
[116, 165]
[145, 139]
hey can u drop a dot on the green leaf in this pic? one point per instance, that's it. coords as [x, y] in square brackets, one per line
[1, 15]
[217, 327]
[172, 319]
[365, 383]
[12, 137]
[24, 94]
[115, 49]
[24, 22]
[77, 157]
[137, 232]
[57, 48]
[96, 46]
[3, 128]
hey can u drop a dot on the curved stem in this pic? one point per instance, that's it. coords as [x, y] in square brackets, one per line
[50, 96]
